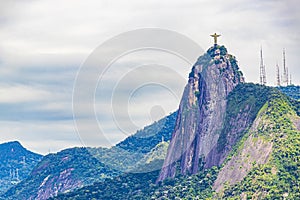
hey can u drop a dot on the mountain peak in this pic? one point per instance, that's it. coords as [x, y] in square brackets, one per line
[15, 149]
[11, 143]
[201, 111]
[16, 163]
[11, 146]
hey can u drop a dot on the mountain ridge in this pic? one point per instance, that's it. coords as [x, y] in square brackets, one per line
[216, 101]
[16, 162]
[125, 156]
[246, 103]
[202, 184]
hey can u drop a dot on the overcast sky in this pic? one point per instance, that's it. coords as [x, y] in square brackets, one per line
[44, 43]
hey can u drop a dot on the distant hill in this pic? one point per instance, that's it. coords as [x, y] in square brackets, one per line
[60, 172]
[291, 90]
[146, 139]
[16, 163]
[74, 168]
[127, 184]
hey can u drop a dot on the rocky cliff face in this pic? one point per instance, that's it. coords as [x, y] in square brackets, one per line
[201, 113]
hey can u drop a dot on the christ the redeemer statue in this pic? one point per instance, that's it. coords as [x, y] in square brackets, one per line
[215, 36]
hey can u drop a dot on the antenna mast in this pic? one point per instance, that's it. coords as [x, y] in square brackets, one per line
[277, 75]
[285, 71]
[263, 80]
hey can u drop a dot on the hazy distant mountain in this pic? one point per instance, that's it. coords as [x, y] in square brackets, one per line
[291, 90]
[16, 163]
[74, 168]
[60, 172]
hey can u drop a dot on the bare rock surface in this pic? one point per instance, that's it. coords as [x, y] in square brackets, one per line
[201, 113]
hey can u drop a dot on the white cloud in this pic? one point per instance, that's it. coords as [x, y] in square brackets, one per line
[21, 94]
[40, 136]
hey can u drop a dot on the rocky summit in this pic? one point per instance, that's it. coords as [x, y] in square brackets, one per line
[202, 113]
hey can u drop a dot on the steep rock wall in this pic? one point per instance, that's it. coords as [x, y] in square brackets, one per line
[201, 112]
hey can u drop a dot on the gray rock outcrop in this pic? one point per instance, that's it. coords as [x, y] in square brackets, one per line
[201, 112]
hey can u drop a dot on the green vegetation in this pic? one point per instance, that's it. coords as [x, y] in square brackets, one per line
[79, 166]
[128, 154]
[89, 165]
[126, 161]
[291, 90]
[247, 98]
[16, 164]
[222, 49]
[145, 140]
[198, 186]
[276, 179]
[102, 177]
[117, 158]
[207, 59]
[279, 178]
[197, 94]
[142, 186]
[294, 93]
[126, 186]
[237, 73]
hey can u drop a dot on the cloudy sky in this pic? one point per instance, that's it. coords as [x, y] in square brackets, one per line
[44, 43]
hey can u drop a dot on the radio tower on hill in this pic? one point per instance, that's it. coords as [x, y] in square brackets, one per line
[263, 80]
[285, 78]
[277, 75]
